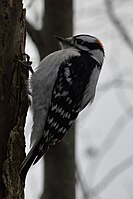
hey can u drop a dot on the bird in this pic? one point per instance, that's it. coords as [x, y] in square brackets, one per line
[61, 87]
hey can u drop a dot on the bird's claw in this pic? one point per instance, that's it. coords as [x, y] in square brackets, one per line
[26, 62]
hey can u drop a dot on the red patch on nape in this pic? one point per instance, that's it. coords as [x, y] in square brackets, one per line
[98, 42]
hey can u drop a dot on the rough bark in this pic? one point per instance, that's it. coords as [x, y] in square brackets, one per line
[59, 160]
[13, 97]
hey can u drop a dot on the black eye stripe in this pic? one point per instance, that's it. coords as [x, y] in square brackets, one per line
[83, 43]
[90, 46]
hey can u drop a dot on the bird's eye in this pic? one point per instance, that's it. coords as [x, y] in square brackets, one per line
[79, 41]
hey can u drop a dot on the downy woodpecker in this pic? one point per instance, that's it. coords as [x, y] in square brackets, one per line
[62, 86]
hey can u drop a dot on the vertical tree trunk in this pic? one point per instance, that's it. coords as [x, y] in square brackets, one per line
[60, 169]
[13, 97]
[60, 159]
[58, 20]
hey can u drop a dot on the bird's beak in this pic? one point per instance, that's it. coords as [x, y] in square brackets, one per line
[60, 39]
[64, 41]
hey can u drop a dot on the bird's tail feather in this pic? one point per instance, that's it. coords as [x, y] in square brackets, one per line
[32, 158]
[26, 164]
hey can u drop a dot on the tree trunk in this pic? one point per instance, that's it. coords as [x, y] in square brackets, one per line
[60, 169]
[13, 97]
[60, 159]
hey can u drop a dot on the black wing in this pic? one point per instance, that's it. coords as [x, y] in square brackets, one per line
[72, 79]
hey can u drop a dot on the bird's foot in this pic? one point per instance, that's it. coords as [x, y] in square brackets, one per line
[26, 62]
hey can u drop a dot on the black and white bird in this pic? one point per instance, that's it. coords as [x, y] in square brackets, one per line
[62, 86]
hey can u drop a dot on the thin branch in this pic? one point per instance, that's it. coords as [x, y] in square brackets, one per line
[117, 83]
[82, 184]
[117, 23]
[107, 144]
[112, 175]
[116, 130]
[84, 187]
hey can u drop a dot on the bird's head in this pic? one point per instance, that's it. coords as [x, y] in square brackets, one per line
[84, 43]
